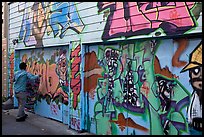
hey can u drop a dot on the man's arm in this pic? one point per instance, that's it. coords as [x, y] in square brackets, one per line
[32, 77]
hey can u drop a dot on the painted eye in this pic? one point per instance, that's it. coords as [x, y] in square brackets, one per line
[196, 71]
[144, 76]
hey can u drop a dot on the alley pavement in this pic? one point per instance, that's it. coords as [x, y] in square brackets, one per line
[34, 125]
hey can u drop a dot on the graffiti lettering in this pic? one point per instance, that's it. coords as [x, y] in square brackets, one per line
[53, 16]
[51, 84]
[75, 82]
[135, 18]
[64, 14]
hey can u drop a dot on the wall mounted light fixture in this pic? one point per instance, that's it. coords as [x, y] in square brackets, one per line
[15, 41]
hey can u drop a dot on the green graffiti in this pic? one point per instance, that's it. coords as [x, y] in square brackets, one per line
[130, 85]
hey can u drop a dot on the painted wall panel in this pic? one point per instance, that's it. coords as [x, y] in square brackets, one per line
[76, 114]
[53, 90]
[49, 111]
[140, 88]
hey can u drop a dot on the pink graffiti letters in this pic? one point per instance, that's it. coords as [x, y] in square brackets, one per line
[136, 18]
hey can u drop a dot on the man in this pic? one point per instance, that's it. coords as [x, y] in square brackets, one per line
[195, 74]
[20, 81]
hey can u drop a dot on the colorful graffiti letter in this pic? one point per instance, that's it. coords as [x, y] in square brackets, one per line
[75, 74]
[64, 14]
[140, 18]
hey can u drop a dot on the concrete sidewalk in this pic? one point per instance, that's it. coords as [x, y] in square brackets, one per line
[34, 125]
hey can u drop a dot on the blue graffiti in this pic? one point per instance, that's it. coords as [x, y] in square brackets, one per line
[60, 16]
[25, 31]
[30, 20]
[64, 14]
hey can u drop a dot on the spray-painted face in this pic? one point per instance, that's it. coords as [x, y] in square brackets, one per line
[62, 69]
[165, 88]
[63, 63]
[196, 78]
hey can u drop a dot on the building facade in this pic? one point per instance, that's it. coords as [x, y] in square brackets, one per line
[119, 68]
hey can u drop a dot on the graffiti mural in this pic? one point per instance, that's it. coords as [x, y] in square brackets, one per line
[54, 109]
[75, 123]
[56, 17]
[53, 83]
[141, 18]
[98, 75]
[134, 88]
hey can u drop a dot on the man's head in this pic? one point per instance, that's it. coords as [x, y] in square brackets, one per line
[22, 66]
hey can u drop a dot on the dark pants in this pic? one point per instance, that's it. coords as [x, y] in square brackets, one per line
[21, 97]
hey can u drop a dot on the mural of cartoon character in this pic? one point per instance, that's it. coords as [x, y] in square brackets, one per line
[195, 74]
[61, 68]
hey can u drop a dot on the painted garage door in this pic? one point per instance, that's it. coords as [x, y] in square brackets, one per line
[143, 87]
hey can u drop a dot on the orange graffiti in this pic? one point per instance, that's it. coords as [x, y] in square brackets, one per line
[163, 71]
[92, 72]
[52, 78]
[75, 82]
[49, 81]
[122, 122]
[182, 43]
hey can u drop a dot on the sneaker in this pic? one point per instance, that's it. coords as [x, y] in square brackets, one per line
[20, 119]
[26, 115]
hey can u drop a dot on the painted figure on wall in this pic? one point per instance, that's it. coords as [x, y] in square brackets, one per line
[62, 68]
[56, 17]
[33, 23]
[195, 73]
